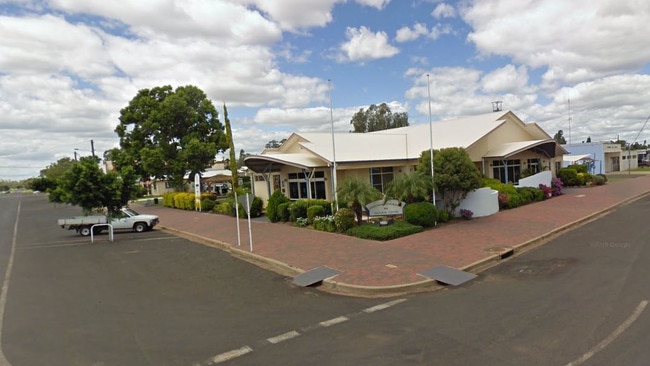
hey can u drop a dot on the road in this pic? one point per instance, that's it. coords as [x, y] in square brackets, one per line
[154, 299]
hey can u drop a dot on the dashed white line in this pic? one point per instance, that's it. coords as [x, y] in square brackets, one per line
[283, 337]
[329, 323]
[383, 306]
[610, 338]
[227, 356]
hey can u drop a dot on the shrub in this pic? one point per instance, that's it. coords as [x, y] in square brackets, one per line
[530, 194]
[314, 211]
[387, 232]
[443, 216]
[324, 223]
[207, 204]
[546, 191]
[283, 211]
[224, 207]
[580, 168]
[297, 209]
[466, 214]
[569, 177]
[344, 219]
[276, 199]
[421, 213]
[255, 207]
[597, 180]
[556, 186]
[301, 221]
[514, 200]
[604, 177]
[503, 200]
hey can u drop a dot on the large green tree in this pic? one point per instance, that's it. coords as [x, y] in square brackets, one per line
[378, 117]
[357, 193]
[86, 185]
[455, 175]
[166, 133]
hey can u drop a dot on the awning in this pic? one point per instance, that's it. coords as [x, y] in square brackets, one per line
[273, 162]
[507, 150]
[574, 158]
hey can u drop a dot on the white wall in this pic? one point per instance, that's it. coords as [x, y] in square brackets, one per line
[537, 179]
[482, 202]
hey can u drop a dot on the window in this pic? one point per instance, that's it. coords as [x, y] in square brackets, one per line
[507, 170]
[380, 177]
[298, 185]
[533, 166]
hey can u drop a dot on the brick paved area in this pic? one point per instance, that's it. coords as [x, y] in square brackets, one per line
[369, 265]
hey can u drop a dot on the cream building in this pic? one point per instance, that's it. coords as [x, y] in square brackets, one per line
[500, 144]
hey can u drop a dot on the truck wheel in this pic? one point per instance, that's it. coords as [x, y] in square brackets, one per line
[84, 231]
[140, 227]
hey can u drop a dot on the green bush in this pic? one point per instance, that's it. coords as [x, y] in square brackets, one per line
[421, 213]
[443, 216]
[603, 176]
[314, 211]
[569, 177]
[375, 232]
[327, 205]
[530, 194]
[297, 209]
[514, 200]
[344, 219]
[256, 208]
[276, 199]
[597, 180]
[207, 204]
[283, 211]
[580, 168]
[224, 207]
[324, 223]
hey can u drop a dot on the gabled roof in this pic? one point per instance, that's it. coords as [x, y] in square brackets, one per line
[546, 147]
[404, 143]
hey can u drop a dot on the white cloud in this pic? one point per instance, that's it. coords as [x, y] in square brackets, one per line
[364, 45]
[294, 15]
[575, 40]
[508, 79]
[406, 34]
[444, 10]
[379, 4]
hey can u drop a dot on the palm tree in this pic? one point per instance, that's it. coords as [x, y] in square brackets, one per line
[357, 193]
[409, 187]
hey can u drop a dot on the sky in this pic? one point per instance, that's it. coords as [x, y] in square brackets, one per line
[67, 67]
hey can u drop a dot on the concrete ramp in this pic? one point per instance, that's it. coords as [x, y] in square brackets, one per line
[315, 275]
[448, 275]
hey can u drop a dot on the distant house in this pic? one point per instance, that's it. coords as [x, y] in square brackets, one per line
[602, 157]
[500, 144]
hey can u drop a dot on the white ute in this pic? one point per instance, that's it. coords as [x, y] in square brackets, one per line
[127, 219]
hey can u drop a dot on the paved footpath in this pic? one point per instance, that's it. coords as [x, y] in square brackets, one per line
[372, 268]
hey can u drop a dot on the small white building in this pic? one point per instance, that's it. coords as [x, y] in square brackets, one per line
[601, 157]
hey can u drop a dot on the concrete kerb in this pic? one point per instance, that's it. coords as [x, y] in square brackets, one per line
[520, 248]
[341, 288]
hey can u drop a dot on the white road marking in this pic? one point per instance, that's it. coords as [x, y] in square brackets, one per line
[329, 323]
[227, 356]
[5, 286]
[610, 338]
[383, 306]
[283, 337]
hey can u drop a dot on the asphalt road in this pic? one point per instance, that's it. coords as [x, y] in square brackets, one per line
[153, 299]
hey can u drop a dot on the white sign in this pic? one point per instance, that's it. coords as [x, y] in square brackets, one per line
[197, 192]
[389, 208]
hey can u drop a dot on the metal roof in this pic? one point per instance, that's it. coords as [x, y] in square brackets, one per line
[546, 147]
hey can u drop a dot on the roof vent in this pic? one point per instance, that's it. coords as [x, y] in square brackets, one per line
[497, 106]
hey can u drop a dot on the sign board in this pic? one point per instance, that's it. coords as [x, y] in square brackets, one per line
[246, 201]
[197, 191]
[389, 208]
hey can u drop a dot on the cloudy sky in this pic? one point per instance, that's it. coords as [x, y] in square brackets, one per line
[67, 67]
